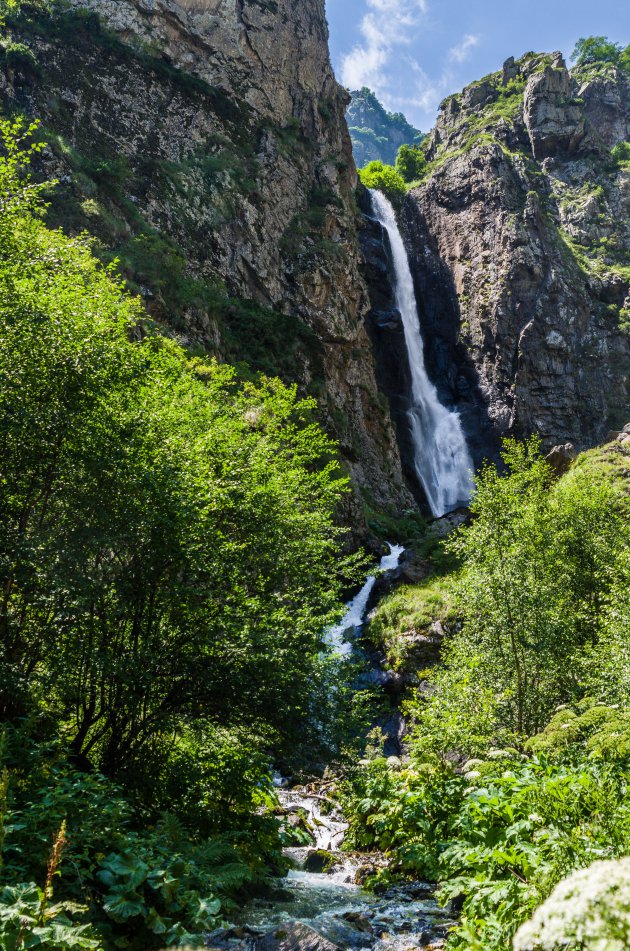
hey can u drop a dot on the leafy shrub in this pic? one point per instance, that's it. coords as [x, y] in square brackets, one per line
[533, 599]
[498, 838]
[386, 179]
[598, 49]
[600, 730]
[168, 562]
[20, 56]
[621, 154]
[411, 162]
[119, 880]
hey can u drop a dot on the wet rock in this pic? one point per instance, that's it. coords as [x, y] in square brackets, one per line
[319, 861]
[358, 921]
[294, 936]
[442, 527]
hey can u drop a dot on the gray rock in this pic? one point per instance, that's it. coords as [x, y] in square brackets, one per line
[561, 457]
[293, 936]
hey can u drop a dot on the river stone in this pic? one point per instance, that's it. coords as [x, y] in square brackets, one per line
[319, 861]
[294, 936]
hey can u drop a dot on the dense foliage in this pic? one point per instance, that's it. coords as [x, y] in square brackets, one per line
[520, 751]
[386, 179]
[411, 162]
[168, 562]
[599, 49]
[394, 181]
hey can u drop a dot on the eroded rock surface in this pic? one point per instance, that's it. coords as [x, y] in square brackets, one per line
[520, 246]
[204, 143]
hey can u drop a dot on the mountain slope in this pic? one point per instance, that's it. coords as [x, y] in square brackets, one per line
[204, 145]
[520, 244]
[376, 133]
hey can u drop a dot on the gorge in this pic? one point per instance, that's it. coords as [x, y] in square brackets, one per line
[236, 376]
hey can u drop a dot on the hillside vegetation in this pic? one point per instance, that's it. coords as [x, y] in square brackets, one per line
[167, 563]
[520, 739]
[376, 133]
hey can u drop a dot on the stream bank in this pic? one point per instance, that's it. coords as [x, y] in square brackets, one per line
[321, 904]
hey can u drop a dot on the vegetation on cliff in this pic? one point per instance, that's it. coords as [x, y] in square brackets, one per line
[376, 133]
[167, 563]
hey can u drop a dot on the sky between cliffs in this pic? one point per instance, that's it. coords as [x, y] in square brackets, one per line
[413, 53]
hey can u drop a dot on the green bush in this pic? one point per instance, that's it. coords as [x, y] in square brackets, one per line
[386, 179]
[168, 562]
[411, 162]
[498, 838]
[538, 560]
[598, 49]
[621, 154]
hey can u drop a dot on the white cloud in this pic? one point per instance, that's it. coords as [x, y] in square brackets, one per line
[424, 93]
[387, 30]
[461, 52]
[388, 24]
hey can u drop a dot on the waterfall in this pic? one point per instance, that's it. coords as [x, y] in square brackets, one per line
[356, 610]
[441, 458]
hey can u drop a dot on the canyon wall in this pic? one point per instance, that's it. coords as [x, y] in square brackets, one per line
[203, 144]
[520, 246]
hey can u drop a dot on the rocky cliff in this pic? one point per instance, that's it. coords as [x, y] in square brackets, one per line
[203, 144]
[520, 246]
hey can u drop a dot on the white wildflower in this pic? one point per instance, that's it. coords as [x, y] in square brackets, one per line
[472, 774]
[589, 910]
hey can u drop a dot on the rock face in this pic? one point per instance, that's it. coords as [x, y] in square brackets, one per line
[203, 143]
[520, 247]
[554, 119]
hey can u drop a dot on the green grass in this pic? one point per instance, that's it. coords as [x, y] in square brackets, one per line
[408, 611]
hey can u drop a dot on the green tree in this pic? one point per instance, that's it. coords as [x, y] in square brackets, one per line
[538, 560]
[386, 179]
[596, 49]
[411, 162]
[168, 553]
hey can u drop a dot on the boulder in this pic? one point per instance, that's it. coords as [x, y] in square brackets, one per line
[319, 861]
[561, 457]
[554, 118]
[293, 936]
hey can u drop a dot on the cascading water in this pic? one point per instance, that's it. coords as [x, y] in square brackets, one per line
[316, 908]
[441, 458]
[357, 608]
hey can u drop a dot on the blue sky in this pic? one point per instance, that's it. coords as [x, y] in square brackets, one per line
[413, 53]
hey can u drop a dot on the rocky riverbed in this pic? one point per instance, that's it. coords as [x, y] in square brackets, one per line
[328, 910]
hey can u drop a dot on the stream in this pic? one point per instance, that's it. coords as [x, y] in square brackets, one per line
[320, 905]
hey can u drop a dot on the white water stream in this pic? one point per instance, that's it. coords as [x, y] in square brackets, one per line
[355, 615]
[441, 457]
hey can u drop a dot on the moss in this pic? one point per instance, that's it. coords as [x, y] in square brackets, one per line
[610, 462]
[410, 611]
